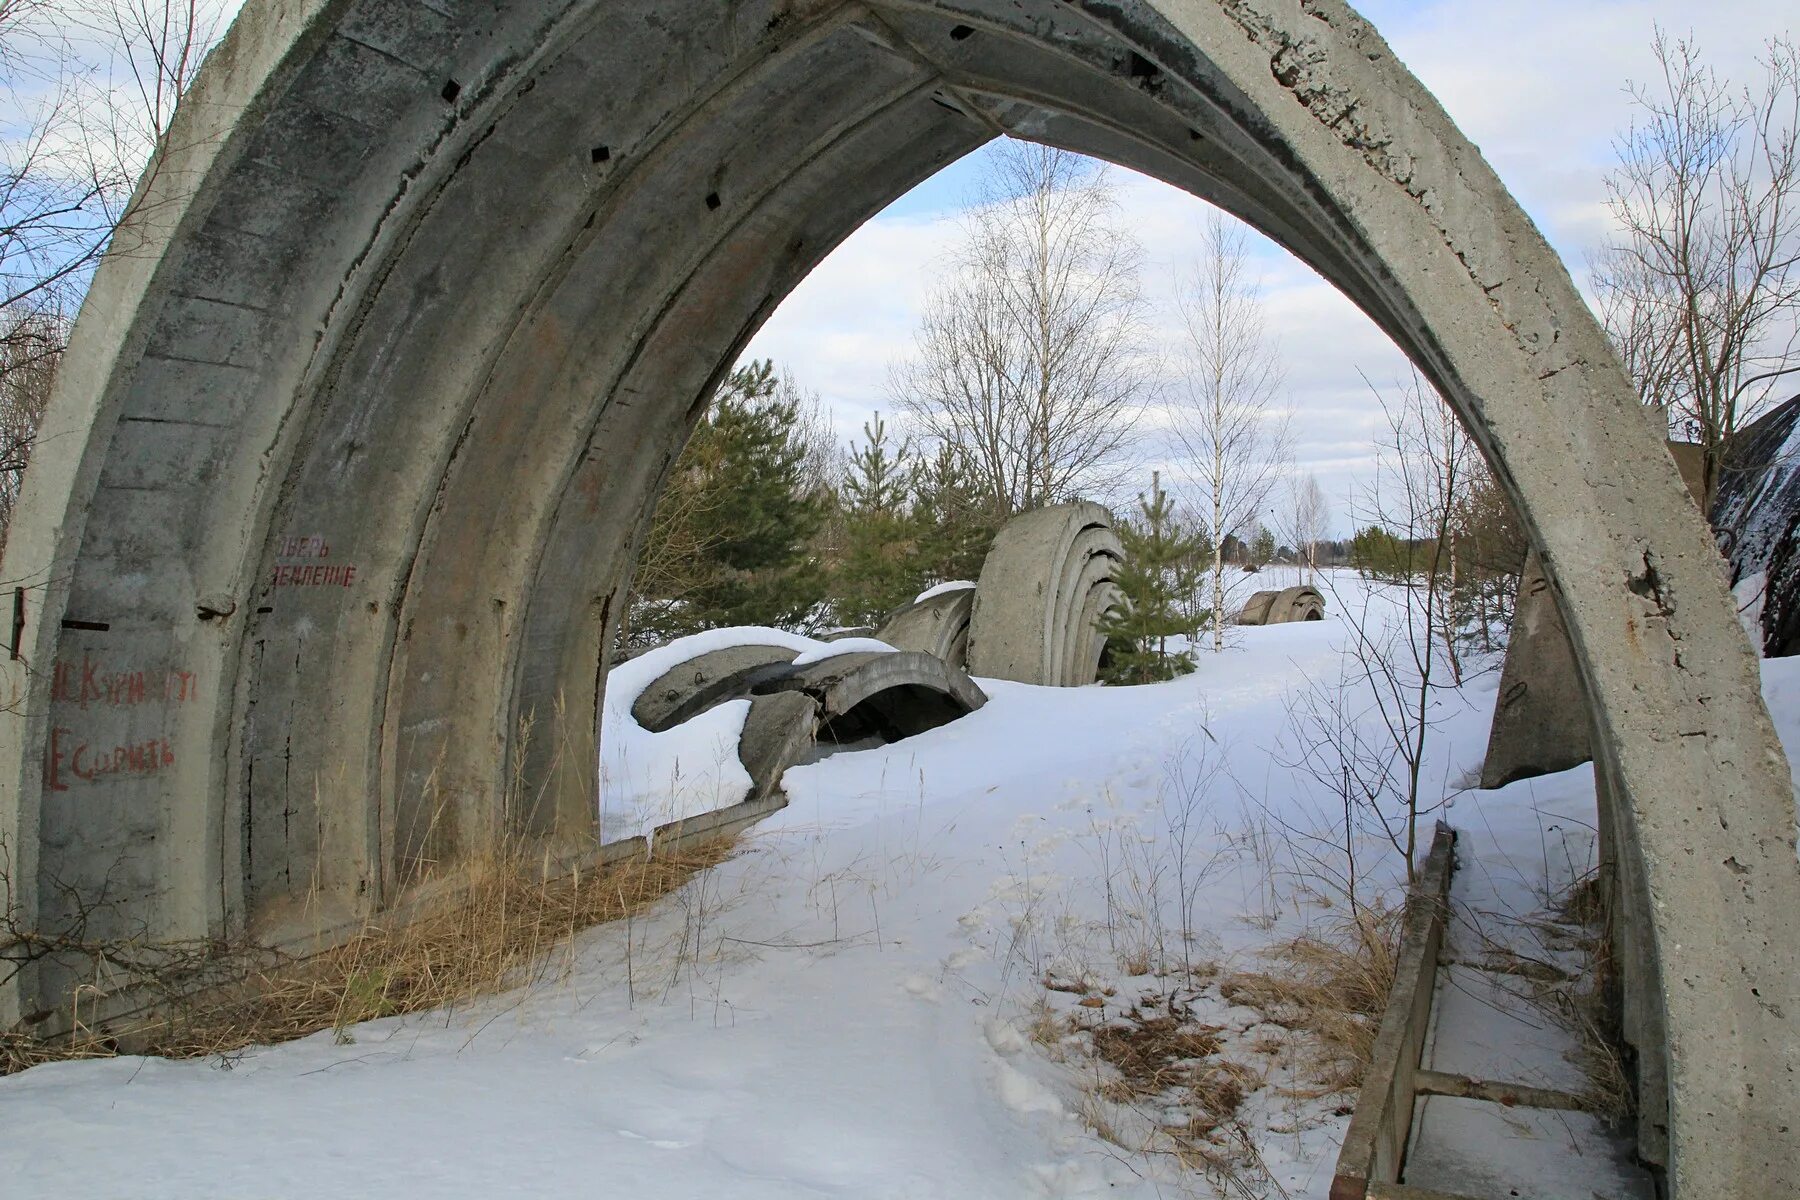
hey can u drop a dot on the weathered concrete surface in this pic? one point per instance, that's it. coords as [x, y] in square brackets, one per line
[1541, 713]
[706, 681]
[1541, 723]
[361, 423]
[937, 625]
[1298, 603]
[778, 732]
[889, 696]
[1043, 587]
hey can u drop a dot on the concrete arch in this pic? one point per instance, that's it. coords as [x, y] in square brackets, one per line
[888, 694]
[1043, 589]
[365, 410]
[1298, 603]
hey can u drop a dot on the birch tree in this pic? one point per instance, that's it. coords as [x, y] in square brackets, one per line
[1225, 419]
[1701, 290]
[1030, 358]
[1308, 520]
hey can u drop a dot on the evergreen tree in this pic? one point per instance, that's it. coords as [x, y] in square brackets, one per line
[879, 477]
[729, 542]
[1378, 554]
[956, 517]
[1262, 550]
[879, 565]
[1150, 581]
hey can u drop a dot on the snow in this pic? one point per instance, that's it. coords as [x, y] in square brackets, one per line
[849, 645]
[954, 585]
[1750, 593]
[846, 1008]
[1479, 1150]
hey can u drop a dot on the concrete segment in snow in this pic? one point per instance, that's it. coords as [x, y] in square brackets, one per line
[1300, 603]
[886, 696]
[1541, 712]
[937, 625]
[778, 732]
[706, 680]
[1042, 591]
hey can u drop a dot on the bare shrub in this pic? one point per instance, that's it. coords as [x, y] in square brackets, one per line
[1030, 359]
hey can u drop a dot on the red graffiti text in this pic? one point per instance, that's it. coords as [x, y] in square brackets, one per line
[89, 682]
[73, 760]
[312, 546]
[309, 572]
[313, 575]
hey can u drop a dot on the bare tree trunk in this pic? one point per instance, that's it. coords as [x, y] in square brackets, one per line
[1233, 437]
[1030, 358]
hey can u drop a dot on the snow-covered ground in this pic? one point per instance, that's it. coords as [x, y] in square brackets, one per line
[855, 1005]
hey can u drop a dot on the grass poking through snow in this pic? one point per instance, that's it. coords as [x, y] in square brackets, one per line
[511, 927]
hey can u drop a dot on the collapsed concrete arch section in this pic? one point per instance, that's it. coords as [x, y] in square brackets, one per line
[880, 696]
[937, 625]
[707, 680]
[1043, 588]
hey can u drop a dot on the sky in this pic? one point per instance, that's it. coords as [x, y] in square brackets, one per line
[1538, 85]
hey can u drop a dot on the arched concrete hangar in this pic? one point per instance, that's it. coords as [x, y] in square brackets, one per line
[365, 412]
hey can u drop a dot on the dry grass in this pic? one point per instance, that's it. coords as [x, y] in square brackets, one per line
[1330, 985]
[1582, 1003]
[500, 933]
[1154, 1055]
[1160, 1083]
[1165, 1085]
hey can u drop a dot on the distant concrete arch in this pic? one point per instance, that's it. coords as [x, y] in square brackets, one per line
[365, 412]
[1301, 602]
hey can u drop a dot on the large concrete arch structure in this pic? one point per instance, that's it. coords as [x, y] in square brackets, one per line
[366, 409]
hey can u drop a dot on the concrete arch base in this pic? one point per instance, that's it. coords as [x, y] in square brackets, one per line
[366, 409]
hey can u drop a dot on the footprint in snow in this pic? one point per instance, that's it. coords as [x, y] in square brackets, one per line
[922, 987]
[659, 1143]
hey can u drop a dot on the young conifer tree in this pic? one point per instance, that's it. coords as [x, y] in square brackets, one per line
[1153, 581]
[879, 568]
[730, 541]
[957, 520]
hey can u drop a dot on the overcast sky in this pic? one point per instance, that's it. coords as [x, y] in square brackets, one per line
[1539, 85]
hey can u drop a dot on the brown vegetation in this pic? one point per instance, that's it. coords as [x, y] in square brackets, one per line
[503, 933]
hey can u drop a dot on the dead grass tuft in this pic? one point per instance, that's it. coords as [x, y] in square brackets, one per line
[1330, 984]
[1582, 1003]
[1161, 1085]
[501, 933]
[1583, 904]
[1153, 1055]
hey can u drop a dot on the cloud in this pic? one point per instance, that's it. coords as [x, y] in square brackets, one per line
[1539, 85]
[840, 330]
